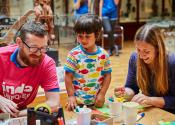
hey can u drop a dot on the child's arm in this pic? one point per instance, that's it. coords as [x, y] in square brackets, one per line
[70, 91]
[101, 95]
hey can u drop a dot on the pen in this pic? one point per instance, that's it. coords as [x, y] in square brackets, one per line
[62, 122]
[140, 116]
[59, 121]
[76, 109]
[111, 99]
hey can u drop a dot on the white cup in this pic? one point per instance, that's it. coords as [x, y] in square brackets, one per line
[130, 110]
[115, 108]
[84, 116]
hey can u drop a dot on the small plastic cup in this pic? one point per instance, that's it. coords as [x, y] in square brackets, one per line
[130, 110]
[84, 116]
[115, 108]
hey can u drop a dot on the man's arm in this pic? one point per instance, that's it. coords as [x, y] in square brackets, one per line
[53, 100]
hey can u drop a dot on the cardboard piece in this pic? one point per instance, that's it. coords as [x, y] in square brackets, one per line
[97, 118]
[104, 109]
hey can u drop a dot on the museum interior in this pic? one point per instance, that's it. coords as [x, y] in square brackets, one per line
[132, 14]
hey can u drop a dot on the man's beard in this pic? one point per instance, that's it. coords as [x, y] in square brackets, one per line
[26, 59]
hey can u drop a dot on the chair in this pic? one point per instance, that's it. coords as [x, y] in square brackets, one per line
[118, 35]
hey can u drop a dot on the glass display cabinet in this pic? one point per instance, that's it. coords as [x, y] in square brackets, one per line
[135, 13]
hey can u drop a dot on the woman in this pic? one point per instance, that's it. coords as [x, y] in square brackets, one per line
[151, 70]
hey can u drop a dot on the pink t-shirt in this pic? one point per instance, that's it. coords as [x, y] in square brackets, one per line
[21, 84]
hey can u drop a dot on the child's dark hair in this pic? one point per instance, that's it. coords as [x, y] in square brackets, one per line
[88, 23]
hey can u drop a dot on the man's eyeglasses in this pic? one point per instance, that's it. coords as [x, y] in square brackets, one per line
[36, 49]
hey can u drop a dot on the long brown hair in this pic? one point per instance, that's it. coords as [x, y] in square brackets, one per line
[151, 33]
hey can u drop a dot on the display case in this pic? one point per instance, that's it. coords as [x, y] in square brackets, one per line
[135, 13]
[4, 7]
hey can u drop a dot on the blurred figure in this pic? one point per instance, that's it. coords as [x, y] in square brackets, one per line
[109, 13]
[44, 15]
[81, 7]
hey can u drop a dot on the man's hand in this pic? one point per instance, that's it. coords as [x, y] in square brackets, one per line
[8, 106]
[72, 103]
[99, 101]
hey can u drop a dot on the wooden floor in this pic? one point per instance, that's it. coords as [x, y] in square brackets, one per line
[119, 63]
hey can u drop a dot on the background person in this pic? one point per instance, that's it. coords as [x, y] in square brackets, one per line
[44, 14]
[81, 7]
[109, 13]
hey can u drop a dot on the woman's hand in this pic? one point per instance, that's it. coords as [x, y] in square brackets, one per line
[119, 91]
[142, 99]
[72, 103]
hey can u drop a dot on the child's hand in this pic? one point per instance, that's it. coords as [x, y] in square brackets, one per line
[71, 103]
[100, 99]
[119, 91]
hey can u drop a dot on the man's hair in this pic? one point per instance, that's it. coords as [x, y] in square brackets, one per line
[151, 34]
[88, 23]
[34, 28]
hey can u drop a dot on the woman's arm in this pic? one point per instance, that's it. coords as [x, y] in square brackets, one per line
[131, 80]
[146, 100]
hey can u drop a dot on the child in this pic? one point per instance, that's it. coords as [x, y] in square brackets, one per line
[88, 71]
